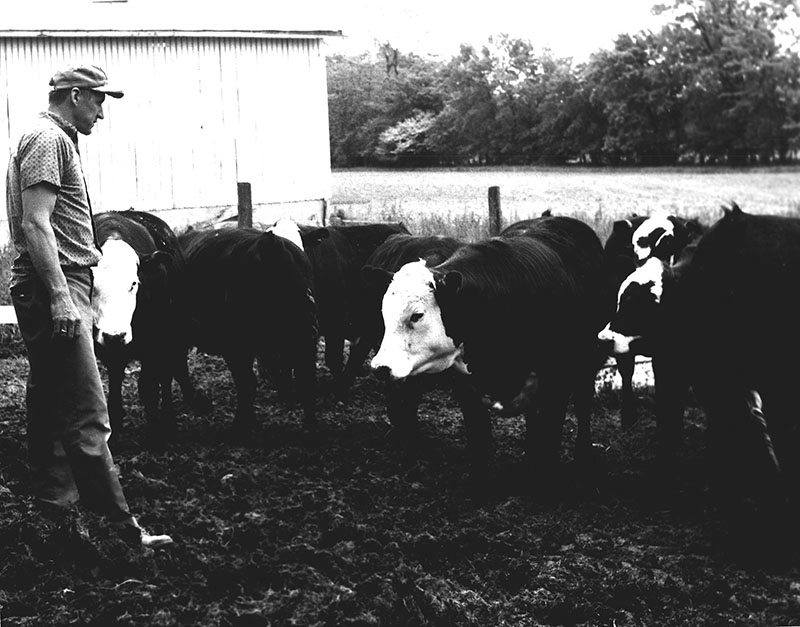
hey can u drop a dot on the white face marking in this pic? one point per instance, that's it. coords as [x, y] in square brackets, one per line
[652, 271]
[116, 283]
[620, 344]
[645, 229]
[288, 229]
[415, 341]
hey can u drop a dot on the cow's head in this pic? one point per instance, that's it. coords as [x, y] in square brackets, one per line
[288, 229]
[636, 317]
[116, 287]
[415, 340]
[656, 237]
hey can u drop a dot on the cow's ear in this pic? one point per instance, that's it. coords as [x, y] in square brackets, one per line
[377, 279]
[451, 281]
[314, 237]
[731, 209]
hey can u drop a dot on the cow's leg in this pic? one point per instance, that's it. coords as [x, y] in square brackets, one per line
[148, 391]
[193, 397]
[672, 389]
[305, 371]
[625, 367]
[543, 428]
[116, 411]
[359, 349]
[155, 394]
[334, 353]
[476, 422]
[276, 366]
[402, 402]
[582, 402]
[245, 381]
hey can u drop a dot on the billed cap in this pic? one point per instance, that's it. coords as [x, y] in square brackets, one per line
[85, 77]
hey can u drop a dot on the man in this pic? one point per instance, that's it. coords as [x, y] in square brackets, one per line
[52, 231]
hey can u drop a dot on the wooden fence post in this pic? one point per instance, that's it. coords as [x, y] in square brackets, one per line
[245, 196]
[494, 210]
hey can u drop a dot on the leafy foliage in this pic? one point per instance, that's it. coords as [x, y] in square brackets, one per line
[717, 84]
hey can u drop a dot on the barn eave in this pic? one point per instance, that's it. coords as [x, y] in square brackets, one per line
[166, 33]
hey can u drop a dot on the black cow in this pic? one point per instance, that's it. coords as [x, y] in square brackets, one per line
[631, 242]
[498, 310]
[337, 254]
[250, 294]
[137, 315]
[723, 319]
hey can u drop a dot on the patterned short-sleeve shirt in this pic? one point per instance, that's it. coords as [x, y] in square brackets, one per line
[49, 153]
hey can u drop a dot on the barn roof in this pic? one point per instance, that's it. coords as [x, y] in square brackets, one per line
[176, 18]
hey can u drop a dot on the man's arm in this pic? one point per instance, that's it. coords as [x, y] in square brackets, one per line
[38, 203]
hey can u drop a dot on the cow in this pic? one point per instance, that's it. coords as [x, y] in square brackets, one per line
[631, 242]
[136, 301]
[337, 254]
[723, 320]
[251, 296]
[402, 399]
[498, 310]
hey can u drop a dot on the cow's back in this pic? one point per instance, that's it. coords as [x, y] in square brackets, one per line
[247, 287]
[582, 255]
[522, 307]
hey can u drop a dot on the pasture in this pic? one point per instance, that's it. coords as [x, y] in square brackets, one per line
[345, 526]
[454, 201]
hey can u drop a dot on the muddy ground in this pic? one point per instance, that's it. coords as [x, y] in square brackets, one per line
[346, 527]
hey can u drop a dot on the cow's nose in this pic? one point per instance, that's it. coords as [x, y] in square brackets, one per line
[383, 373]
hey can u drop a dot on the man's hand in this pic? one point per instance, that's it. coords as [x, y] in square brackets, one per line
[66, 319]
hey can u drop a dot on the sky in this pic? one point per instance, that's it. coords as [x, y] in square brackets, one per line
[574, 28]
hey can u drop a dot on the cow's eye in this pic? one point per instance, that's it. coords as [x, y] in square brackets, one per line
[416, 317]
[133, 286]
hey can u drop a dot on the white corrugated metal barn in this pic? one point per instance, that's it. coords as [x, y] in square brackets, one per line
[214, 96]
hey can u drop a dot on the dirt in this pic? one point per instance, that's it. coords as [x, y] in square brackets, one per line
[344, 526]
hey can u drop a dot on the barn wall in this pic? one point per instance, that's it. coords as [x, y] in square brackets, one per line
[199, 114]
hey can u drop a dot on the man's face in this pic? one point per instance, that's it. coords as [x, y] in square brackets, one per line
[88, 109]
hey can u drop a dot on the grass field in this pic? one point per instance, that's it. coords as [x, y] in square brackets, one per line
[456, 200]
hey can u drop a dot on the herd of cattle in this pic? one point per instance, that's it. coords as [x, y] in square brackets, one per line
[520, 322]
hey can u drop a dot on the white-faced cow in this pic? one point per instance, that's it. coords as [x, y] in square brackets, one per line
[251, 295]
[531, 301]
[402, 398]
[723, 319]
[137, 315]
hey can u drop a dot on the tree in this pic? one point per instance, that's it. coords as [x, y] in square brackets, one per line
[365, 100]
[743, 93]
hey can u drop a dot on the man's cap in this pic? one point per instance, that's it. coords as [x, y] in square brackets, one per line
[85, 77]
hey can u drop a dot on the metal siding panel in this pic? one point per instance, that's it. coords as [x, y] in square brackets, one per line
[199, 114]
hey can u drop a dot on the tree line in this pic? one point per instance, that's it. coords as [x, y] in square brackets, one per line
[719, 83]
